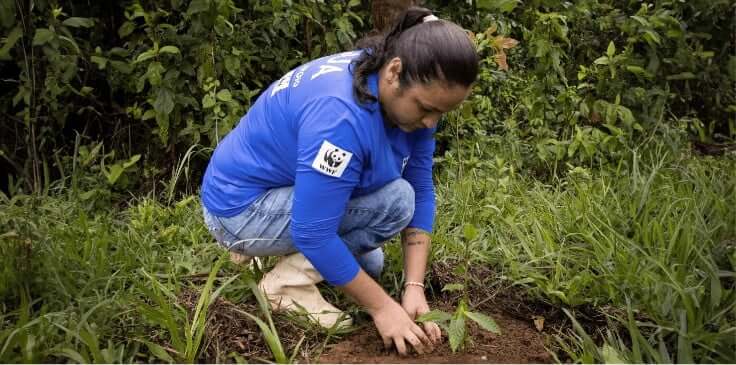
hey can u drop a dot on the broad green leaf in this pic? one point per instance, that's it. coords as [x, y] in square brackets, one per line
[169, 49]
[42, 36]
[149, 114]
[232, 65]
[146, 55]
[434, 316]
[164, 102]
[101, 62]
[602, 61]
[638, 71]
[486, 322]
[76, 22]
[641, 20]
[153, 73]
[224, 95]
[126, 29]
[113, 174]
[652, 37]
[456, 331]
[208, 101]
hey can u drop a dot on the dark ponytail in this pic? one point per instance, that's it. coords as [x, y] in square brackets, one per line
[429, 50]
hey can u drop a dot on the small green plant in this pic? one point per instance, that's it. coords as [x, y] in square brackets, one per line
[455, 324]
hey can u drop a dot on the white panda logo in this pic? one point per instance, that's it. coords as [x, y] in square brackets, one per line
[331, 160]
[335, 158]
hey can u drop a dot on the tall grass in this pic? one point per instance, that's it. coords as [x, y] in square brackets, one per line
[656, 236]
[71, 277]
[653, 237]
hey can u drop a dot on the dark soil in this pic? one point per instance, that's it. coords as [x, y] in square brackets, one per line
[524, 322]
[520, 342]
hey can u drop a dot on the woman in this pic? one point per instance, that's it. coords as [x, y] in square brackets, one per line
[334, 159]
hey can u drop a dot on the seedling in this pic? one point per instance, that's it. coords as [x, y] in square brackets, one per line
[454, 324]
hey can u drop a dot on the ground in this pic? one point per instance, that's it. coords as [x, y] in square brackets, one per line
[523, 340]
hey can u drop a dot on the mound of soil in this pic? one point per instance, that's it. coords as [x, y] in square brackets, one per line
[520, 342]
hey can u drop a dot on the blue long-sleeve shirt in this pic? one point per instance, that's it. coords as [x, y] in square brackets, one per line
[308, 130]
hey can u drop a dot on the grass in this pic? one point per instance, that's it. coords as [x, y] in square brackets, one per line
[654, 238]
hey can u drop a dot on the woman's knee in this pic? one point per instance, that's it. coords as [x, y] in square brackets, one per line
[401, 195]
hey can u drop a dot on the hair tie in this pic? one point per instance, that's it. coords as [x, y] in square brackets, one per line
[429, 18]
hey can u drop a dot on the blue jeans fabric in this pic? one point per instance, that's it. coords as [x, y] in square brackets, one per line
[369, 221]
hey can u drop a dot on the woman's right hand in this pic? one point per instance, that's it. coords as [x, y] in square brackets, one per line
[392, 321]
[395, 326]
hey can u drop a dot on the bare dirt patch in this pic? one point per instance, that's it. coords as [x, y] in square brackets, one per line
[519, 343]
[524, 338]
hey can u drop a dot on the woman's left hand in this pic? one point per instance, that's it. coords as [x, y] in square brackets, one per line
[415, 304]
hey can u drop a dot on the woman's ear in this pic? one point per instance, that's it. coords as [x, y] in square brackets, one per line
[394, 71]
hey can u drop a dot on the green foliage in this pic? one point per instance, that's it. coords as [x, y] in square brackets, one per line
[590, 78]
[146, 76]
[654, 234]
[456, 329]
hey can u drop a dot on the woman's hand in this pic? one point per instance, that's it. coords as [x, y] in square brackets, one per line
[394, 325]
[392, 322]
[415, 304]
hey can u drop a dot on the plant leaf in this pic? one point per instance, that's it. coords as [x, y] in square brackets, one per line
[486, 322]
[224, 95]
[77, 22]
[169, 49]
[434, 316]
[456, 331]
[164, 103]
[42, 36]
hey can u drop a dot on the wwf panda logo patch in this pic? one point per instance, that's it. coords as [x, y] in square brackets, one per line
[331, 160]
[335, 158]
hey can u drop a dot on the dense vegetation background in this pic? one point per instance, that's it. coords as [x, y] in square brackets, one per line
[593, 162]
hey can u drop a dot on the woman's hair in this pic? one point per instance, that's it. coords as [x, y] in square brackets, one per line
[429, 49]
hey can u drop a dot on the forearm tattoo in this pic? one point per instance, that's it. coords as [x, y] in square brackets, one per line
[414, 237]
